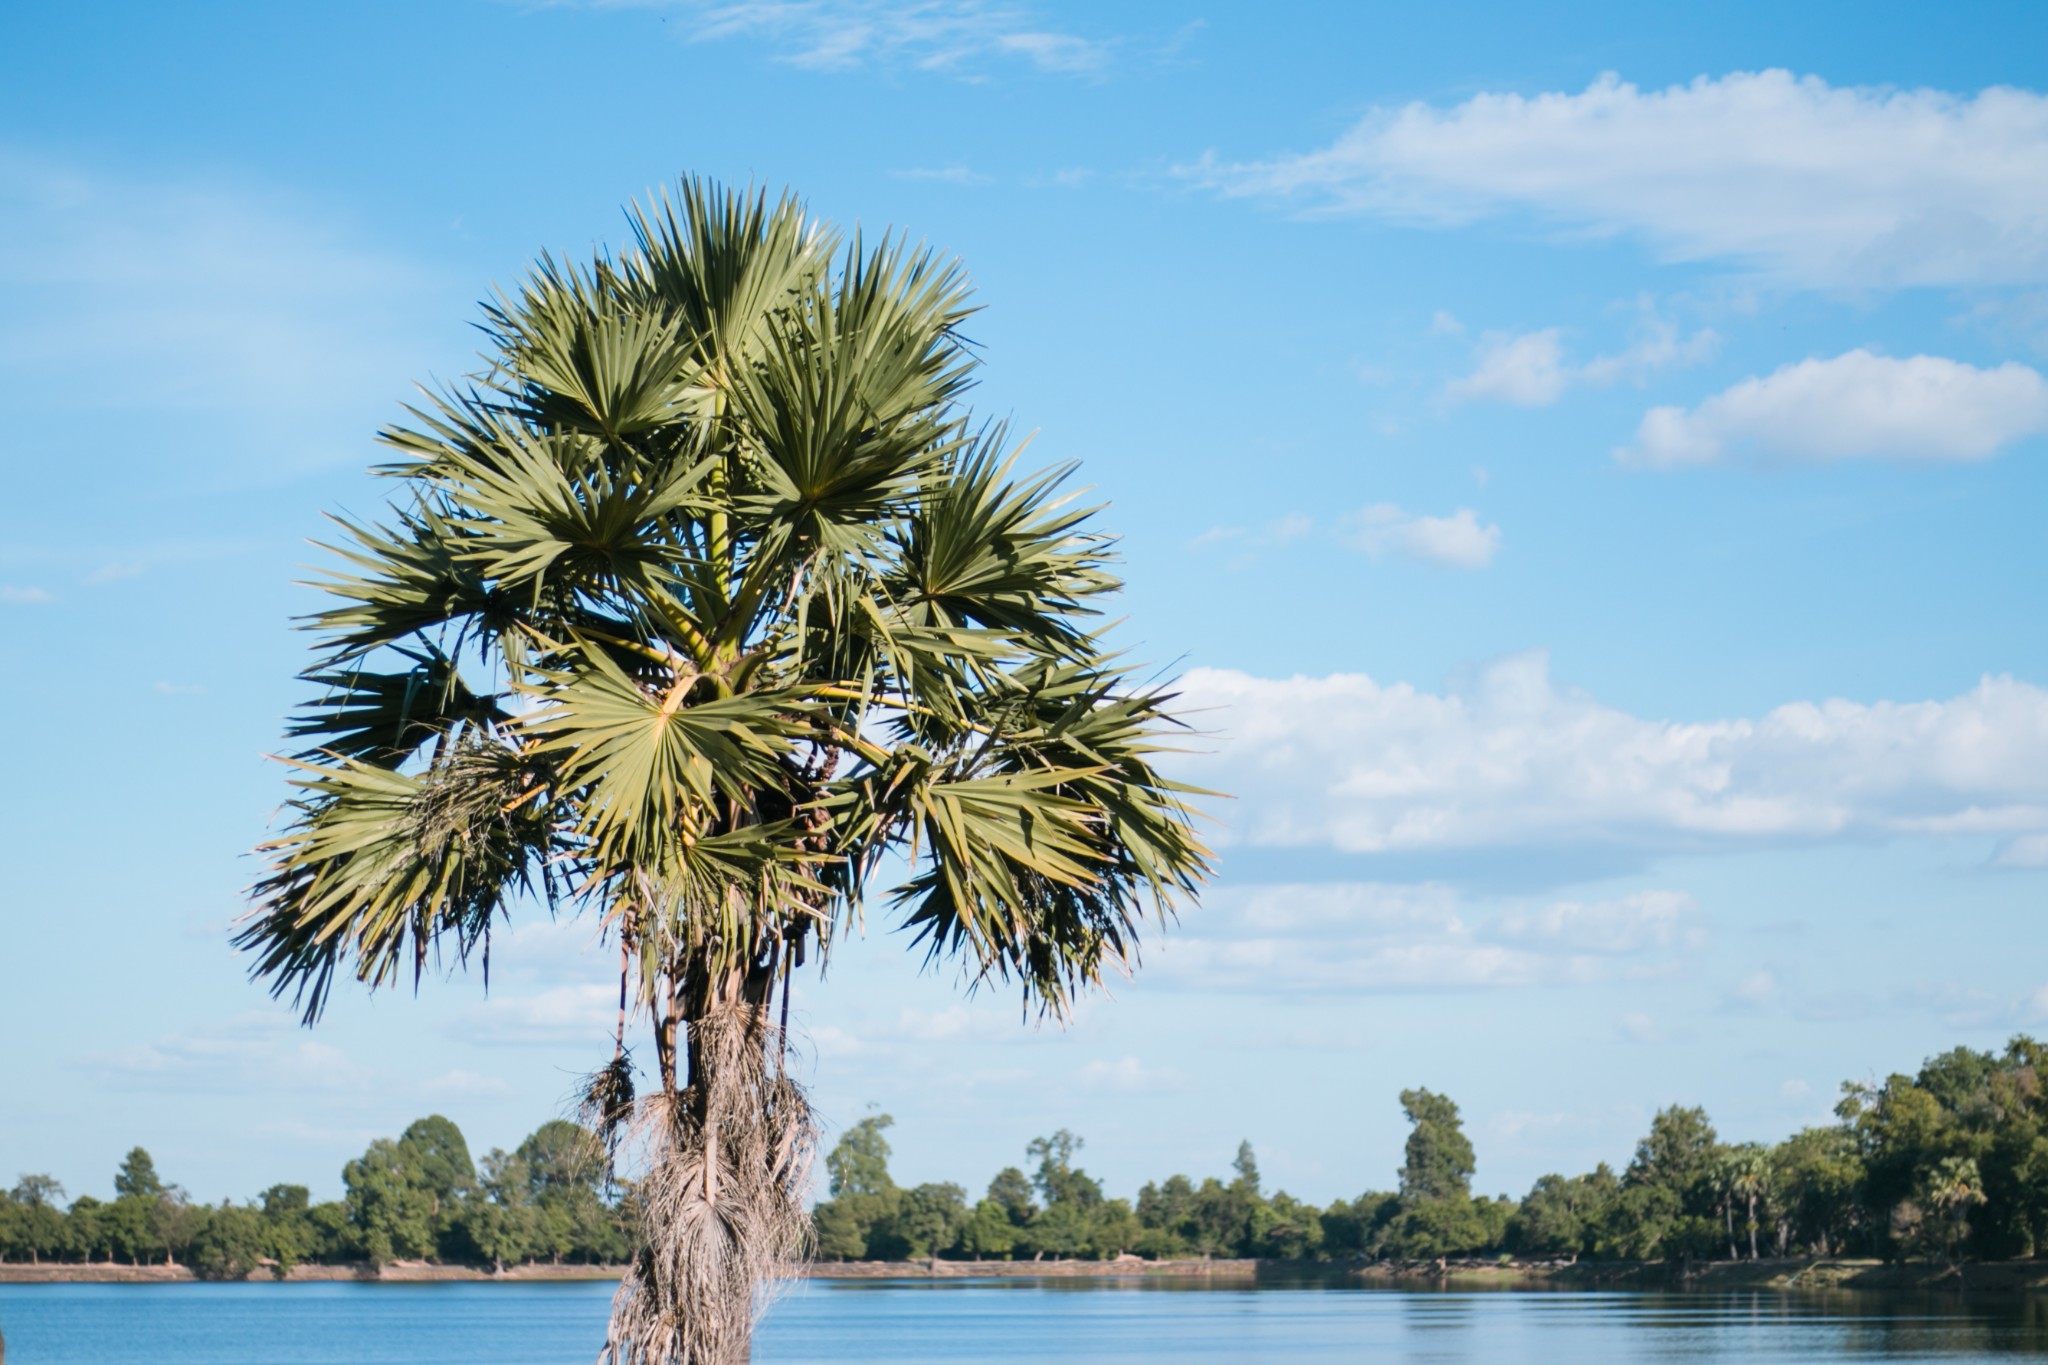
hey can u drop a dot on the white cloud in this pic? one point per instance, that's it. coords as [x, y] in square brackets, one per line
[2027, 850]
[1509, 759]
[1420, 936]
[930, 35]
[584, 1014]
[1809, 182]
[1855, 405]
[24, 595]
[1631, 924]
[1457, 541]
[1526, 370]
[1529, 369]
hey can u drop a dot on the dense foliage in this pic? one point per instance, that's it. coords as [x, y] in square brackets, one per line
[1949, 1162]
[418, 1197]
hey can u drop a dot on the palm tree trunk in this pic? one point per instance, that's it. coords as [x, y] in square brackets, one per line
[727, 1156]
[1752, 1227]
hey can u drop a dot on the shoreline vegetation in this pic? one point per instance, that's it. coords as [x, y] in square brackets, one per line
[1934, 1180]
[1788, 1274]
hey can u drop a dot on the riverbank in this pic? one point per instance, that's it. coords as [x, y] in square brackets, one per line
[1789, 1274]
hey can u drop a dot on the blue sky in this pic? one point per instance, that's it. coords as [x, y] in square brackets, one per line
[1588, 466]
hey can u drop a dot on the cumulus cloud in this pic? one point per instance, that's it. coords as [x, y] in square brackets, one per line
[1509, 759]
[1809, 182]
[1457, 541]
[1856, 405]
[1421, 936]
[930, 35]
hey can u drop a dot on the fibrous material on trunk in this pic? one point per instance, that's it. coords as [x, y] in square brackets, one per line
[723, 1172]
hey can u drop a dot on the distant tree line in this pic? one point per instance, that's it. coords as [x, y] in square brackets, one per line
[418, 1197]
[1949, 1162]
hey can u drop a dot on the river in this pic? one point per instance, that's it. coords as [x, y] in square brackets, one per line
[958, 1323]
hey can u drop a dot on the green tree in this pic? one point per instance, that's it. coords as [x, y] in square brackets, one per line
[229, 1243]
[137, 1176]
[289, 1235]
[1820, 1176]
[859, 1162]
[1437, 1160]
[1437, 1217]
[864, 1197]
[928, 1220]
[1669, 1201]
[1559, 1215]
[703, 598]
[85, 1235]
[988, 1231]
[1011, 1189]
[1285, 1228]
[1167, 1213]
[31, 1222]
[1056, 1177]
[840, 1233]
[1358, 1226]
[391, 1208]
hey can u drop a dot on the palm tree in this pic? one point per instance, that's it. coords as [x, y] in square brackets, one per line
[1750, 1181]
[704, 598]
[1950, 1190]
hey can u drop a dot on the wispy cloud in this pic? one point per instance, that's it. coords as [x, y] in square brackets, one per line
[25, 594]
[1128, 1075]
[1856, 405]
[1420, 937]
[1458, 541]
[959, 37]
[945, 175]
[186, 299]
[1811, 183]
[1530, 369]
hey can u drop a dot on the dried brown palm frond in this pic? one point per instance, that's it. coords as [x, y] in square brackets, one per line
[724, 1165]
[604, 1108]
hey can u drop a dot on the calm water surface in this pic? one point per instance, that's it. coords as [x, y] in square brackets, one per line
[825, 1323]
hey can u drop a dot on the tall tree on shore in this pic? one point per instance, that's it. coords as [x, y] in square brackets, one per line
[703, 598]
